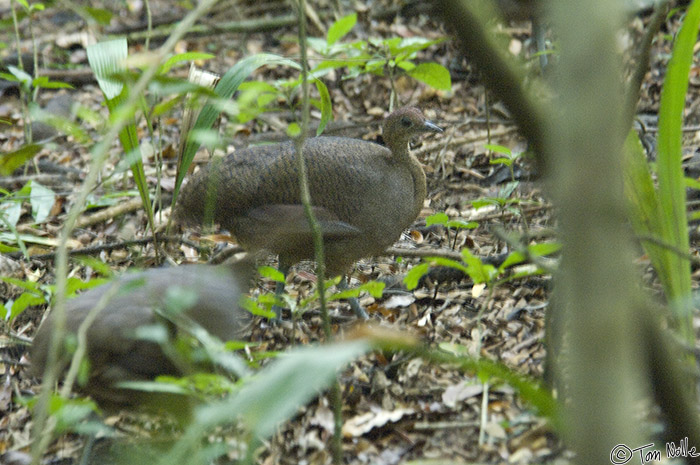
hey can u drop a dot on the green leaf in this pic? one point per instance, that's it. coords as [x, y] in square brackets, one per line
[154, 386]
[20, 75]
[414, 275]
[477, 270]
[498, 149]
[501, 161]
[24, 301]
[10, 211]
[21, 283]
[43, 81]
[13, 238]
[514, 258]
[459, 224]
[671, 191]
[225, 89]
[544, 249]
[437, 218]
[374, 288]
[101, 15]
[42, 200]
[692, 183]
[481, 203]
[76, 284]
[187, 56]
[293, 130]
[107, 58]
[271, 273]
[326, 110]
[257, 307]
[281, 388]
[8, 249]
[340, 28]
[433, 74]
[68, 413]
[10, 161]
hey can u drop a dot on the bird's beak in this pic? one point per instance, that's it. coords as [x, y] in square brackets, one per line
[429, 126]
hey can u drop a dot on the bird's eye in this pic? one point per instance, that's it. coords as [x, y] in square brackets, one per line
[406, 122]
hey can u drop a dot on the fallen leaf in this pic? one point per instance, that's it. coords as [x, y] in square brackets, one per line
[362, 424]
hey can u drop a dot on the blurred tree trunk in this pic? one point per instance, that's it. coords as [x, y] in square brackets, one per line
[603, 363]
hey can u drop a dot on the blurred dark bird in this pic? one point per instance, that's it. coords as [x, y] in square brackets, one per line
[59, 107]
[364, 195]
[207, 295]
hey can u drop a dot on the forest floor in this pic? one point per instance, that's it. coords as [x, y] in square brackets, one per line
[397, 409]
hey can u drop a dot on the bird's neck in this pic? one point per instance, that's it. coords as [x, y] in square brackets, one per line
[401, 154]
[399, 149]
[420, 189]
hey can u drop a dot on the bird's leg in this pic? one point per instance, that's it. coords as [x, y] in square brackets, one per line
[354, 303]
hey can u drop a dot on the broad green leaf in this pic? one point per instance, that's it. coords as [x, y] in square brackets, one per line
[10, 211]
[340, 28]
[75, 284]
[281, 388]
[258, 307]
[414, 275]
[101, 15]
[326, 111]
[293, 130]
[544, 249]
[21, 283]
[477, 270]
[43, 81]
[10, 161]
[24, 301]
[433, 74]
[437, 218]
[271, 273]
[20, 75]
[501, 161]
[498, 149]
[42, 200]
[107, 58]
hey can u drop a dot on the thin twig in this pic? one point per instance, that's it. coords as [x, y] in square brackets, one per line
[95, 249]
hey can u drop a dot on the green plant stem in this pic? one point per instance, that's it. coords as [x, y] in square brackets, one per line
[334, 393]
[303, 178]
[149, 29]
[42, 437]
[20, 65]
[635, 84]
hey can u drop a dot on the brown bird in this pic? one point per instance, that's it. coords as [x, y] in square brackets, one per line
[137, 300]
[364, 195]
